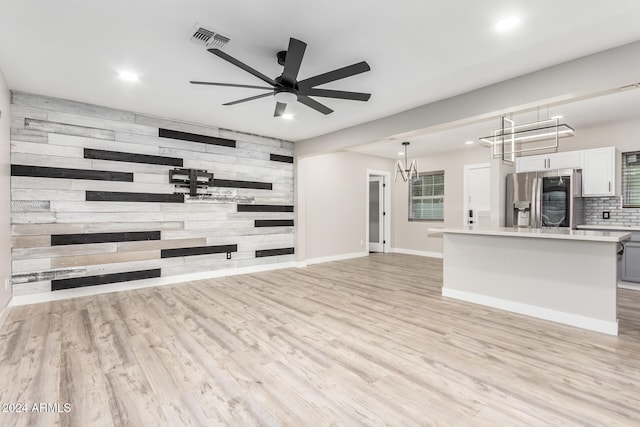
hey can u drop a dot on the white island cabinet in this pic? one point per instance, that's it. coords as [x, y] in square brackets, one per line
[566, 276]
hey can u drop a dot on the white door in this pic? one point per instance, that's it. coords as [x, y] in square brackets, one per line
[376, 214]
[477, 194]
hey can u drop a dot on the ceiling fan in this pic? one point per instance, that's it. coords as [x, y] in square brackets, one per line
[287, 89]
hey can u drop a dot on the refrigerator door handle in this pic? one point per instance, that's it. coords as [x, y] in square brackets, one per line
[536, 221]
[534, 204]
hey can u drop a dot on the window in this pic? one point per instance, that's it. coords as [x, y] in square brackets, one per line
[631, 179]
[426, 197]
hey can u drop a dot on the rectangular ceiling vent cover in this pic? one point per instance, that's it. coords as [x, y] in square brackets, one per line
[209, 38]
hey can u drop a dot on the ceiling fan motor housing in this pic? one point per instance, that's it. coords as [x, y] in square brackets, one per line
[287, 89]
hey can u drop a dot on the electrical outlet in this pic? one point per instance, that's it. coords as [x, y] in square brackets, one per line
[7, 283]
[228, 255]
[605, 215]
[361, 242]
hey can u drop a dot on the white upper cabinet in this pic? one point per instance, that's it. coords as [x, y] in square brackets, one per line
[531, 163]
[598, 168]
[598, 172]
[565, 160]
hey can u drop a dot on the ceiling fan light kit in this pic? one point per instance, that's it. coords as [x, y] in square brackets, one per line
[286, 89]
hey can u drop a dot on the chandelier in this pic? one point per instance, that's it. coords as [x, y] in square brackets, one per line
[407, 170]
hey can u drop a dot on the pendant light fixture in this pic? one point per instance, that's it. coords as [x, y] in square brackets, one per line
[512, 140]
[407, 170]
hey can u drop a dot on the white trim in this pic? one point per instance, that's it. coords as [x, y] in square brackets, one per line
[5, 313]
[629, 285]
[331, 258]
[598, 325]
[418, 253]
[144, 283]
[386, 181]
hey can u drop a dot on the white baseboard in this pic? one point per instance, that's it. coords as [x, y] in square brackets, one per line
[418, 253]
[144, 283]
[570, 319]
[340, 257]
[5, 313]
[629, 285]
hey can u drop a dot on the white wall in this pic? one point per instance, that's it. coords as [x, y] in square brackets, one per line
[331, 203]
[5, 193]
[412, 235]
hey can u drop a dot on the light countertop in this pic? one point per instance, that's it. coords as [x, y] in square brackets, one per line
[539, 233]
[610, 227]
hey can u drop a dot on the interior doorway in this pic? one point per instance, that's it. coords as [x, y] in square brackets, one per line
[477, 194]
[378, 211]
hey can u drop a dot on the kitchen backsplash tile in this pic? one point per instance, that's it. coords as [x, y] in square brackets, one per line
[595, 206]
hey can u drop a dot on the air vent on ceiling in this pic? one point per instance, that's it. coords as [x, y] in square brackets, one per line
[209, 38]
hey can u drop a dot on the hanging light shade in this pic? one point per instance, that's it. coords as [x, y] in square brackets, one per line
[512, 139]
[407, 171]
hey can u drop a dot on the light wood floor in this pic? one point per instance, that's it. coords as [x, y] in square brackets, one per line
[368, 341]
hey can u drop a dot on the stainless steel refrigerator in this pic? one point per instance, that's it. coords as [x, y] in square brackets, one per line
[544, 199]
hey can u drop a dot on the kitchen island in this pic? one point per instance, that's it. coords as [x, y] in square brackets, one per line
[566, 276]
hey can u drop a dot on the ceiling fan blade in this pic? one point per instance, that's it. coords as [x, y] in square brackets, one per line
[280, 108]
[228, 85]
[340, 73]
[293, 60]
[312, 103]
[339, 94]
[251, 98]
[242, 65]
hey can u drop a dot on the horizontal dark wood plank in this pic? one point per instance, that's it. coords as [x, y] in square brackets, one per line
[48, 172]
[274, 223]
[116, 196]
[280, 158]
[241, 184]
[103, 279]
[274, 252]
[265, 208]
[78, 239]
[199, 250]
[194, 137]
[119, 156]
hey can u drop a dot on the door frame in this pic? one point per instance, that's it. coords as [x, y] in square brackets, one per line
[465, 200]
[386, 191]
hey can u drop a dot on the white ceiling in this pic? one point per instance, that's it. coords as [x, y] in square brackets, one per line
[419, 51]
[594, 111]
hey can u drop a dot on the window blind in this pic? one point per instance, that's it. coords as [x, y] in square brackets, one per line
[631, 179]
[426, 197]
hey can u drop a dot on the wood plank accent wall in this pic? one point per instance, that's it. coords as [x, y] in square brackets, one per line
[92, 202]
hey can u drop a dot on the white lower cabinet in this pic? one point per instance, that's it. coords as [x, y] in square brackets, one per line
[631, 262]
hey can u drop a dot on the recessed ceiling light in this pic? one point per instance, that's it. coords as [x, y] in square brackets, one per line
[507, 23]
[559, 116]
[401, 153]
[128, 76]
[469, 142]
[287, 116]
